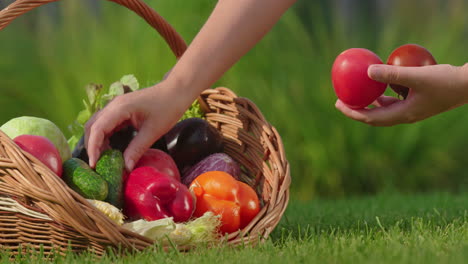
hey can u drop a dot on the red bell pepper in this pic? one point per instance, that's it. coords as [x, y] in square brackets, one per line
[152, 195]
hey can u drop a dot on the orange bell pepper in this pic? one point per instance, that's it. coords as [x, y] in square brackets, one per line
[218, 192]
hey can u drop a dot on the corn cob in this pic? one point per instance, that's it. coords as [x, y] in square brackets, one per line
[108, 209]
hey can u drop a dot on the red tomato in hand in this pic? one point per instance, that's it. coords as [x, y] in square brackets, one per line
[350, 80]
[409, 55]
[43, 149]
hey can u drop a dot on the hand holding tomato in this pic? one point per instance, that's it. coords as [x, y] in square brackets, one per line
[429, 89]
[434, 89]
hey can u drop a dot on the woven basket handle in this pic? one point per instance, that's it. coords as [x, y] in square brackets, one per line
[172, 38]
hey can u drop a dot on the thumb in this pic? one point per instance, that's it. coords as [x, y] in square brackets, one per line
[406, 76]
[138, 146]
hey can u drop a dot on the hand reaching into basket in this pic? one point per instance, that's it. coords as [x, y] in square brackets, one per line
[434, 89]
[151, 111]
[232, 29]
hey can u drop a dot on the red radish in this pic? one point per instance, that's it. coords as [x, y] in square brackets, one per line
[43, 149]
[161, 161]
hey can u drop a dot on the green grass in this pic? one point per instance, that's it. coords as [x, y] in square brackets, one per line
[388, 228]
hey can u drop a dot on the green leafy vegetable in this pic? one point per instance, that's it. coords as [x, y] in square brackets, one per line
[193, 111]
[98, 97]
[201, 230]
[130, 81]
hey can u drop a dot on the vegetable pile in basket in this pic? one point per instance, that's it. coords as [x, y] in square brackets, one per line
[184, 190]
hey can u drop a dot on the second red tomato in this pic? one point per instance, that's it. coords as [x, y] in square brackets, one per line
[409, 55]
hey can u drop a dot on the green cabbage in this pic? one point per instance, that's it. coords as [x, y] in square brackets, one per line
[29, 125]
[201, 230]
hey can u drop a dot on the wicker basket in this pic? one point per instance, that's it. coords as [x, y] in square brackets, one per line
[38, 211]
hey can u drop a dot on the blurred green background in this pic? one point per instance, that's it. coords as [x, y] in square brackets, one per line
[48, 55]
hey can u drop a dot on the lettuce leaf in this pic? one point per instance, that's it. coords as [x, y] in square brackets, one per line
[97, 98]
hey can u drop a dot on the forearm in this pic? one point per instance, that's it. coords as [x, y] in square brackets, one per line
[232, 29]
[464, 77]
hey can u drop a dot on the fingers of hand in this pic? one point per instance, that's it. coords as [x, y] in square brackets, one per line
[380, 116]
[413, 77]
[146, 136]
[88, 127]
[103, 125]
[383, 101]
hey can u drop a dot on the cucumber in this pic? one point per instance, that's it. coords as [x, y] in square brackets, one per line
[82, 179]
[111, 167]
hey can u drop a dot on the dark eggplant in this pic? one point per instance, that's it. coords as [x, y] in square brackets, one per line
[80, 151]
[119, 140]
[191, 140]
[161, 145]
